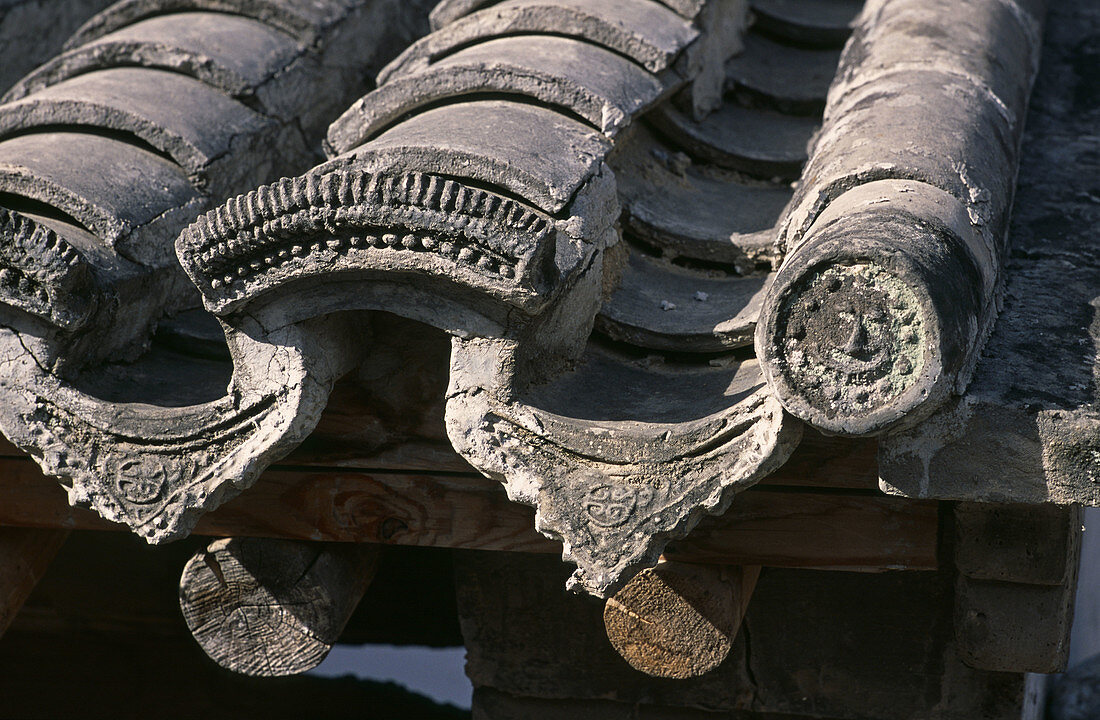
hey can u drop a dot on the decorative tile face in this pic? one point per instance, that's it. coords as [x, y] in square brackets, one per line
[855, 338]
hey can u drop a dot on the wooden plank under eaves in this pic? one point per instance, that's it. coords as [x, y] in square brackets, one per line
[771, 525]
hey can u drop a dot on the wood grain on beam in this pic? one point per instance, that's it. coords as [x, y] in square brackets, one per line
[765, 526]
[678, 620]
[25, 553]
[271, 608]
[833, 531]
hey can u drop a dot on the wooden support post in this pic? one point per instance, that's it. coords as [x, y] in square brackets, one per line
[273, 607]
[25, 553]
[678, 620]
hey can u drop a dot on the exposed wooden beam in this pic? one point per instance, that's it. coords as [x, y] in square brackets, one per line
[25, 553]
[678, 620]
[267, 607]
[771, 526]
